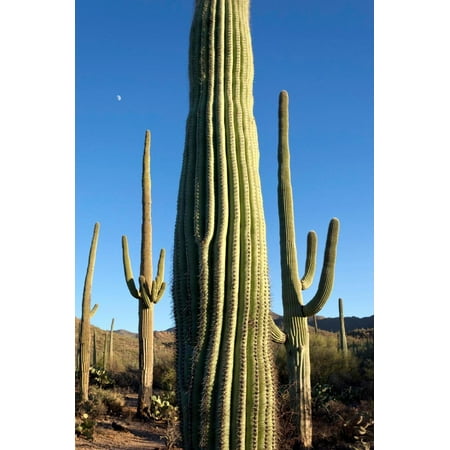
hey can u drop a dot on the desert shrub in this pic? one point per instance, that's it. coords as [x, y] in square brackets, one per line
[287, 437]
[343, 427]
[108, 401]
[164, 374]
[128, 379]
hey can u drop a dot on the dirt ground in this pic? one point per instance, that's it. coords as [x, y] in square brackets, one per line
[125, 433]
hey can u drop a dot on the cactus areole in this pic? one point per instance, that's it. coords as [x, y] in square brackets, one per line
[220, 275]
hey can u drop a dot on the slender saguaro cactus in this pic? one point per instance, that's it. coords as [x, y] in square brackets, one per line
[342, 336]
[109, 348]
[220, 286]
[150, 291]
[294, 310]
[94, 350]
[86, 315]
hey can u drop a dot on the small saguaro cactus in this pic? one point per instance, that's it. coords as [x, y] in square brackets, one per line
[86, 315]
[295, 312]
[150, 291]
[225, 381]
[342, 336]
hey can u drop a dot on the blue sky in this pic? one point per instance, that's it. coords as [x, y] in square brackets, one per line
[320, 52]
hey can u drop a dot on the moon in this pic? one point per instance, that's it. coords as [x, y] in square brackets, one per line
[119, 97]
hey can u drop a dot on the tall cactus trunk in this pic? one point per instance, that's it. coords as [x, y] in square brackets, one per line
[342, 336]
[295, 312]
[150, 292]
[225, 379]
[86, 315]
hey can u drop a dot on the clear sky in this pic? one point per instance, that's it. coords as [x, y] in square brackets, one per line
[131, 75]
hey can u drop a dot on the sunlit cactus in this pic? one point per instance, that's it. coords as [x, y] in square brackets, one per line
[295, 312]
[86, 315]
[342, 336]
[149, 292]
[221, 295]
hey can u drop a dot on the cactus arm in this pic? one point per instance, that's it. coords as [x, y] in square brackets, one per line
[310, 264]
[128, 270]
[291, 285]
[276, 334]
[158, 285]
[145, 292]
[327, 276]
[93, 311]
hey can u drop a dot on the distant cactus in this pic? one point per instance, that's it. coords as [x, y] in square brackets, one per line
[150, 291]
[221, 287]
[94, 350]
[342, 336]
[110, 346]
[86, 315]
[295, 311]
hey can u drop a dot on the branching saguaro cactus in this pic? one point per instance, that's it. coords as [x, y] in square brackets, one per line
[150, 291]
[86, 315]
[294, 310]
[342, 336]
[220, 285]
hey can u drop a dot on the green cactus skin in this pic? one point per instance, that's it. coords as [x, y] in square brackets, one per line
[150, 291]
[225, 379]
[86, 315]
[342, 336]
[295, 312]
[94, 350]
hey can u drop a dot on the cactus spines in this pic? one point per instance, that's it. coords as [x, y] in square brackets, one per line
[220, 287]
[342, 336]
[294, 310]
[150, 291]
[86, 315]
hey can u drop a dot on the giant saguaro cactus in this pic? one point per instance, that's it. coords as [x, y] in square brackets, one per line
[150, 291]
[220, 284]
[86, 315]
[294, 310]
